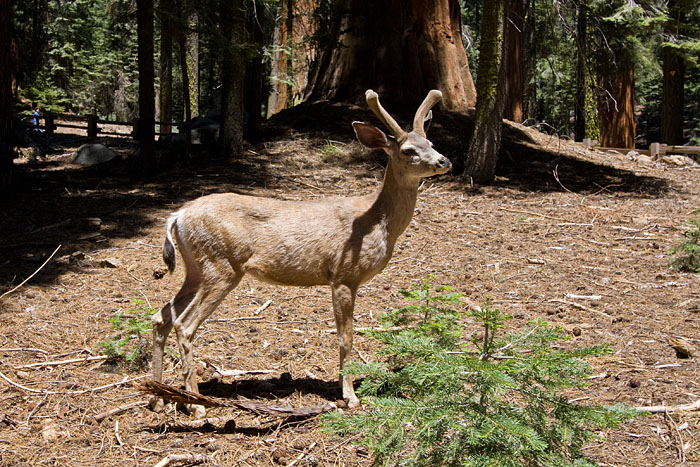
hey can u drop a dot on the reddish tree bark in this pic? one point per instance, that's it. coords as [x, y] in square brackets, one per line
[515, 59]
[399, 48]
[616, 108]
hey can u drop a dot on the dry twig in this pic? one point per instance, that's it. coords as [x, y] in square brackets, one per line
[33, 274]
[670, 409]
[186, 458]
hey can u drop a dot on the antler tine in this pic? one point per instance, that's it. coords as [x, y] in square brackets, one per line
[430, 100]
[373, 103]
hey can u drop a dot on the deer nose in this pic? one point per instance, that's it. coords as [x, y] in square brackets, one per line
[444, 163]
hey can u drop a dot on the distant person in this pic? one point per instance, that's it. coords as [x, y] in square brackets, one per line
[35, 119]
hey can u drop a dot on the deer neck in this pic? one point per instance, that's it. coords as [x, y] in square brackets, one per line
[396, 201]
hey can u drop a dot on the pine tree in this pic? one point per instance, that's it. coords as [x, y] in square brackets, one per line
[438, 398]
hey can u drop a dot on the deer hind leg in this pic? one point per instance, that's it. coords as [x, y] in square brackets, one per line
[163, 323]
[343, 306]
[214, 287]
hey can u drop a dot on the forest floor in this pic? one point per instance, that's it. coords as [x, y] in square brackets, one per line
[573, 236]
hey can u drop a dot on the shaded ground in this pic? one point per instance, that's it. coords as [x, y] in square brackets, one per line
[576, 237]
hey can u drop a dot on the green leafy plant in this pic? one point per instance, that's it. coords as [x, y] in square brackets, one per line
[685, 256]
[439, 398]
[131, 346]
[331, 149]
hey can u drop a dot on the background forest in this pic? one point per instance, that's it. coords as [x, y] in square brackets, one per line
[621, 72]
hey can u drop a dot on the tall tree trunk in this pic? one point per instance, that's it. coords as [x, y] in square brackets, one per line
[193, 57]
[585, 111]
[167, 10]
[296, 23]
[6, 151]
[616, 109]
[581, 65]
[146, 92]
[529, 86]
[515, 59]
[232, 71]
[482, 154]
[401, 49]
[672, 101]
[254, 73]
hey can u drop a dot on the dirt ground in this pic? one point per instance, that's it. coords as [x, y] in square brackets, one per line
[573, 236]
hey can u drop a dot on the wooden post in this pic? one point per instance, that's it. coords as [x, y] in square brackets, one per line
[92, 126]
[657, 150]
[49, 123]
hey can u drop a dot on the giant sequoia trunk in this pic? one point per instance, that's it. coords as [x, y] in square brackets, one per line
[482, 154]
[146, 92]
[5, 97]
[399, 48]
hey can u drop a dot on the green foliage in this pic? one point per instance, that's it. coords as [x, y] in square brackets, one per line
[494, 399]
[43, 92]
[131, 346]
[331, 149]
[685, 256]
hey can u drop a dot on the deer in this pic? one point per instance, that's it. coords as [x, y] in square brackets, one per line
[341, 242]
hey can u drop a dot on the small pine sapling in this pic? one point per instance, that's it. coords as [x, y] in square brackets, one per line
[438, 398]
[131, 345]
[685, 256]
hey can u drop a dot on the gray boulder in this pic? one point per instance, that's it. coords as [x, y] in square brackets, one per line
[92, 154]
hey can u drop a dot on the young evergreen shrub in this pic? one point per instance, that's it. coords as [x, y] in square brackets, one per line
[685, 256]
[131, 346]
[490, 400]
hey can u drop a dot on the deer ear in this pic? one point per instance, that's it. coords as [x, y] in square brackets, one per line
[370, 136]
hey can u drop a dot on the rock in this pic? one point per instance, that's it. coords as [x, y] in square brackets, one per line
[92, 154]
[110, 263]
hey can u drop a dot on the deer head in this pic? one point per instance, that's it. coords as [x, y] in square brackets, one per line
[412, 152]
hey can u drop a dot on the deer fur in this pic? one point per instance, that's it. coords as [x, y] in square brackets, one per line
[340, 242]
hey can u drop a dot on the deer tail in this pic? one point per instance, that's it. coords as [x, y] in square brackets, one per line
[169, 247]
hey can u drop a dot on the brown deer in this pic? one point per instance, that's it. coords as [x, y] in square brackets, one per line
[341, 242]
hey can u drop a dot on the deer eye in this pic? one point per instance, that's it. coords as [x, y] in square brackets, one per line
[408, 151]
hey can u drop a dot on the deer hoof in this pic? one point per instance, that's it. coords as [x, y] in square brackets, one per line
[352, 402]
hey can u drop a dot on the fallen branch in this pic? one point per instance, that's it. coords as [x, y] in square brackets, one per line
[234, 373]
[33, 274]
[182, 396]
[63, 362]
[84, 391]
[186, 458]
[670, 409]
[24, 349]
[118, 410]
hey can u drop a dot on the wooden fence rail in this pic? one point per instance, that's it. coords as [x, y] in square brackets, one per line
[91, 124]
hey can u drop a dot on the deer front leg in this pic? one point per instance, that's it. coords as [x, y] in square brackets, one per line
[343, 305]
